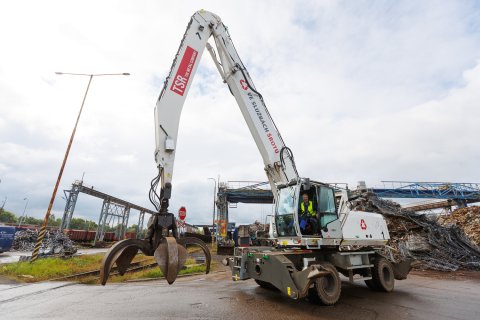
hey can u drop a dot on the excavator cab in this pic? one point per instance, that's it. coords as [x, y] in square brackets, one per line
[288, 213]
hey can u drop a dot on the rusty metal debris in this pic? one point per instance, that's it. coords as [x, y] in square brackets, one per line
[54, 243]
[418, 236]
[467, 219]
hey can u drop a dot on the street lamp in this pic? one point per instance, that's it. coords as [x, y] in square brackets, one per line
[93, 75]
[4, 201]
[23, 218]
[3, 204]
[41, 234]
[213, 218]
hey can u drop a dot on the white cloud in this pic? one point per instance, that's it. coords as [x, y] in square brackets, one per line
[360, 91]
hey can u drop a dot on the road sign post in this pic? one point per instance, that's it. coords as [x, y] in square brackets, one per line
[182, 213]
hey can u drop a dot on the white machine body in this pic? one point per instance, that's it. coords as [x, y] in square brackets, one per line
[344, 227]
[361, 226]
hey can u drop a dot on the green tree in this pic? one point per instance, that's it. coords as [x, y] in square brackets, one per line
[7, 216]
[54, 222]
[132, 228]
[82, 224]
[32, 221]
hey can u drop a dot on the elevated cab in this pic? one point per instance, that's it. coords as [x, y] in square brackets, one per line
[316, 219]
[323, 224]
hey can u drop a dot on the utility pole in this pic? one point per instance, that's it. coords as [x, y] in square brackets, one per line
[4, 201]
[43, 229]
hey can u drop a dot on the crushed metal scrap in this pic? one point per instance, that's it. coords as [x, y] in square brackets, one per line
[467, 219]
[418, 236]
[54, 242]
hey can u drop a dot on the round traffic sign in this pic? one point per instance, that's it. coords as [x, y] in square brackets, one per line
[182, 213]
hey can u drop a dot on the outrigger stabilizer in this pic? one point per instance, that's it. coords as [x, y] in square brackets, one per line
[161, 241]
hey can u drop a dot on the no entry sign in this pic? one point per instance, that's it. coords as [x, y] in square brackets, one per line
[182, 213]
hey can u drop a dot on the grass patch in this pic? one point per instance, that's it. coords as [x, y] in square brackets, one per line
[51, 268]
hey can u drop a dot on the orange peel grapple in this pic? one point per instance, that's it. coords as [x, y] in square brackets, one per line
[162, 242]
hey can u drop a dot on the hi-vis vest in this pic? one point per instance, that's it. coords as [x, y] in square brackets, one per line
[310, 208]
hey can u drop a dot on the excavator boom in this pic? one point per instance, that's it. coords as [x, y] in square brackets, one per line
[278, 159]
[161, 239]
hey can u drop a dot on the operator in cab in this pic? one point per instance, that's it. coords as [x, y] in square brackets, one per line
[308, 216]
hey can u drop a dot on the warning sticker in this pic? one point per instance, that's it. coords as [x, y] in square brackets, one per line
[180, 81]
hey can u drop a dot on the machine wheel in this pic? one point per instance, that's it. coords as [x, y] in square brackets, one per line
[371, 285]
[265, 285]
[382, 276]
[329, 287]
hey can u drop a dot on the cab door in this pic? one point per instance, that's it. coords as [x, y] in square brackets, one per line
[330, 225]
[286, 221]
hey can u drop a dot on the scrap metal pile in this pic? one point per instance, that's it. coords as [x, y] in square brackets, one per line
[467, 219]
[418, 236]
[53, 243]
[258, 229]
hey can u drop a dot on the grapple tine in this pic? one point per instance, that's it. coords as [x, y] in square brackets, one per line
[195, 241]
[122, 253]
[126, 258]
[171, 257]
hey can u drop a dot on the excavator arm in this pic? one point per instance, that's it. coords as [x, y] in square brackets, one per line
[278, 159]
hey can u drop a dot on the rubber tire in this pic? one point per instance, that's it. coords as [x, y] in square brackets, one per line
[383, 278]
[328, 288]
[313, 296]
[371, 285]
[265, 285]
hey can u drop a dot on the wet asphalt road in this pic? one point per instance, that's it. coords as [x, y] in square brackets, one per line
[215, 296]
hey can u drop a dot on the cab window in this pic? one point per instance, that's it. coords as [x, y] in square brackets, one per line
[326, 205]
[285, 211]
[326, 200]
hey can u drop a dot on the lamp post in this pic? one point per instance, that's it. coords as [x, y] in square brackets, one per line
[213, 217]
[23, 218]
[4, 201]
[3, 204]
[41, 234]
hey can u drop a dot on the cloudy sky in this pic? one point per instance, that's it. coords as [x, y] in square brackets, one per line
[360, 90]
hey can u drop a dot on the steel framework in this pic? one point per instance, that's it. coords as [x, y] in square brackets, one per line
[111, 213]
[232, 192]
[113, 210]
[453, 193]
[460, 193]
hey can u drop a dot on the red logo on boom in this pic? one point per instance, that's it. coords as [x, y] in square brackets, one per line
[244, 84]
[180, 81]
[363, 225]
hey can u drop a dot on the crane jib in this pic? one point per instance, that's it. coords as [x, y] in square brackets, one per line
[184, 71]
[258, 112]
[263, 122]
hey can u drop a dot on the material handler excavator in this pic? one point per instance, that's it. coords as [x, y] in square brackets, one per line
[306, 261]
